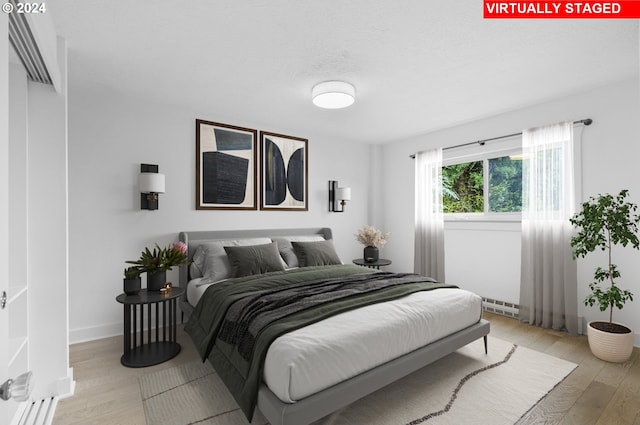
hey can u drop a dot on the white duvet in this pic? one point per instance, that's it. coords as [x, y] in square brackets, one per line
[318, 356]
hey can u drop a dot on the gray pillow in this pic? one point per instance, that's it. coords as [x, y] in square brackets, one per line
[254, 259]
[210, 260]
[286, 249]
[320, 253]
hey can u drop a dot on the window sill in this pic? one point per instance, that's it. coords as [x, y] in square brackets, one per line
[483, 218]
[489, 225]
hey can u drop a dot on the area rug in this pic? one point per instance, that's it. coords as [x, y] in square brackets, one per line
[465, 387]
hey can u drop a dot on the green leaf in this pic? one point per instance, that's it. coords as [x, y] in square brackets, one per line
[603, 222]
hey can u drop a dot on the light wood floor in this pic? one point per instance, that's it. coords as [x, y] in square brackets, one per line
[596, 392]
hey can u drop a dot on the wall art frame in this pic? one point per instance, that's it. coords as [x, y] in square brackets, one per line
[284, 176]
[226, 166]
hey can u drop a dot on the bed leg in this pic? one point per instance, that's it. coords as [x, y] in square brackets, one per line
[485, 344]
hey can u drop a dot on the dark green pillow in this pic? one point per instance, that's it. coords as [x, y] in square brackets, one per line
[254, 259]
[318, 253]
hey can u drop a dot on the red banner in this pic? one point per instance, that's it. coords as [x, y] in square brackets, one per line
[626, 9]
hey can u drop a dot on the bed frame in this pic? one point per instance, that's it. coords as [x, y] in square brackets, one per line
[340, 395]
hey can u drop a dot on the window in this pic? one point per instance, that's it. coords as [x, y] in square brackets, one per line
[490, 185]
[462, 187]
[505, 184]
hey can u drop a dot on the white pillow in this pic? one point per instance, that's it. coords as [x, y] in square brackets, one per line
[194, 270]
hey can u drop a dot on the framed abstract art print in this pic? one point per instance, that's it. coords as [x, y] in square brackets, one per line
[226, 167]
[284, 172]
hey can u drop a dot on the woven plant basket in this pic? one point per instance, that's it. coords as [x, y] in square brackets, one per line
[609, 346]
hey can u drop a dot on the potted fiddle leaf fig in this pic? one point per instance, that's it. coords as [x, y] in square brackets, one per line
[603, 222]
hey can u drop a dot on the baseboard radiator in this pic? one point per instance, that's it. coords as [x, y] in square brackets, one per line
[500, 307]
[39, 412]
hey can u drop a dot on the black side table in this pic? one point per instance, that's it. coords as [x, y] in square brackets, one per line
[372, 264]
[137, 353]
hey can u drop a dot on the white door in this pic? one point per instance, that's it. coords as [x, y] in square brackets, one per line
[4, 201]
[4, 314]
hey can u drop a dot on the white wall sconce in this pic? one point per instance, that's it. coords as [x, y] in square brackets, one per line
[18, 389]
[150, 183]
[333, 94]
[338, 196]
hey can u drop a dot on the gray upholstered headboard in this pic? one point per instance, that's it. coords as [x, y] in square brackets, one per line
[194, 239]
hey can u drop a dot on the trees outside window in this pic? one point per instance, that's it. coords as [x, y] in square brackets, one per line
[491, 185]
[505, 184]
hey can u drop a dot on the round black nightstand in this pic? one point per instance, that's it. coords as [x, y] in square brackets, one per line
[137, 352]
[372, 264]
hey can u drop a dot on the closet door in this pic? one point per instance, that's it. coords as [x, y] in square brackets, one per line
[14, 333]
[17, 255]
[4, 208]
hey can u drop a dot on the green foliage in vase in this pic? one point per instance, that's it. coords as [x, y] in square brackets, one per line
[161, 259]
[132, 272]
[604, 221]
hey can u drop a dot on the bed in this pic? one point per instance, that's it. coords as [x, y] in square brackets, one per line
[314, 369]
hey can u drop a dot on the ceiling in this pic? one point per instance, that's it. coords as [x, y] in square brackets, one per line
[417, 65]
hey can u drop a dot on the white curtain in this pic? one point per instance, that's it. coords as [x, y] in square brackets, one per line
[429, 220]
[548, 284]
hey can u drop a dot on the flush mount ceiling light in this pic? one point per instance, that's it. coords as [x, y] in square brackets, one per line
[333, 94]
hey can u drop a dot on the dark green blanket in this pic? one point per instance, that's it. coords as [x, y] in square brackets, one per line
[235, 321]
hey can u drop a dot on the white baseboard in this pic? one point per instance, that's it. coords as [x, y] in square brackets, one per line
[95, 332]
[582, 325]
[77, 336]
[108, 330]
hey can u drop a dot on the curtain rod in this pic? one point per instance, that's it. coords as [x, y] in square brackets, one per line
[586, 121]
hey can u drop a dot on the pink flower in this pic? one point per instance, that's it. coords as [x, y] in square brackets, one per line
[180, 246]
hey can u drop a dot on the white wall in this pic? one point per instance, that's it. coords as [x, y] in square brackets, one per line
[110, 134]
[485, 258]
[472, 259]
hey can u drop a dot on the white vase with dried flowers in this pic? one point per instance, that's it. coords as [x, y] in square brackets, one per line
[372, 239]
